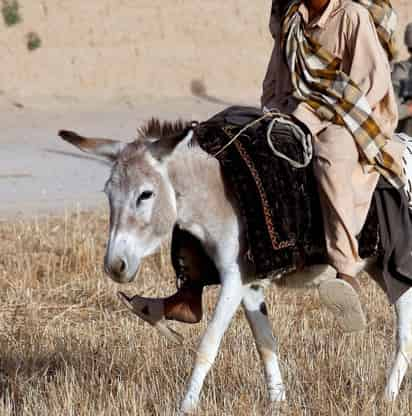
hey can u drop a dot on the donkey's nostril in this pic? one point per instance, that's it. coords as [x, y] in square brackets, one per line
[117, 268]
[122, 266]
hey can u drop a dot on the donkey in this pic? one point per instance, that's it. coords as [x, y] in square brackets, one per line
[162, 179]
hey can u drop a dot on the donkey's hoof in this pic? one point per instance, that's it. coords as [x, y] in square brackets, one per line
[390, 394]
[277, 394]
[343, 301]
[188, 406]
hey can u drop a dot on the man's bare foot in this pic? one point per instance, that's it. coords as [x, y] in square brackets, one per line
[341, 297]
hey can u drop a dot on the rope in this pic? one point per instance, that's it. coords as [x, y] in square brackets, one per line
[254, 122]
[305, 142]
[305, 139]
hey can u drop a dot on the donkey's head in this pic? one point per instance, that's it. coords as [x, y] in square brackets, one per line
[141, 196]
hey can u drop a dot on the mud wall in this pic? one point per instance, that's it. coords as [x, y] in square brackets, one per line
[112, 48]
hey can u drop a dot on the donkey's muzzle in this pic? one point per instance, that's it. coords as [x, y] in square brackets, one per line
[118, 269]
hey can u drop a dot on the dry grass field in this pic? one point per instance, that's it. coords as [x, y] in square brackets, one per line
[69, 347]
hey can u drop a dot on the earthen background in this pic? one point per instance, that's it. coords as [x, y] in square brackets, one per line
[140, 48]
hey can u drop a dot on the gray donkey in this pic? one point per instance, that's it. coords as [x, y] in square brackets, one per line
[163, 179]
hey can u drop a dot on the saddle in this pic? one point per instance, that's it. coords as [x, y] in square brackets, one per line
[277, 198]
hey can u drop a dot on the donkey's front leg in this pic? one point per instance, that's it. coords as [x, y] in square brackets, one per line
[229, 300]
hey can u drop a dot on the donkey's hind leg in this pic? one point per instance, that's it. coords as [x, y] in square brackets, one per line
[404, 346]
[255, 308]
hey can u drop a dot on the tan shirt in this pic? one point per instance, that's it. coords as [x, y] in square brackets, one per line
[347, 31]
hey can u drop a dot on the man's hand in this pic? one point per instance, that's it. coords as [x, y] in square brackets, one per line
[410, 108]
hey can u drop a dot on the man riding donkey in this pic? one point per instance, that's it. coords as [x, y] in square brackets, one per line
[330, 69]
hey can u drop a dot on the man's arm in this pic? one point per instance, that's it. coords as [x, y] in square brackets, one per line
[370, 68]
[273, 93]
[269, 82]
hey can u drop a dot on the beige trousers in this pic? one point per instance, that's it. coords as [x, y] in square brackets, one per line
[346, 191]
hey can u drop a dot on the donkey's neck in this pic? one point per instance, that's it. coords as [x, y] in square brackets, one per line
[203, 205]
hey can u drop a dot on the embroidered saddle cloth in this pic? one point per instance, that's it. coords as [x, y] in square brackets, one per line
[278, 202]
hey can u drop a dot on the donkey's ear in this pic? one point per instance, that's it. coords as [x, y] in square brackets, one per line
[163, 149]
[105, 148]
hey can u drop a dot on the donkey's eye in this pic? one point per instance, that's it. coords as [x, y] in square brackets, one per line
[144, 196]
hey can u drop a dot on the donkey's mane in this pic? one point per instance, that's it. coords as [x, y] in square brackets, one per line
[162, 129]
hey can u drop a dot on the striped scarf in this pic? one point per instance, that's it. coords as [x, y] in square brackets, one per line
[318, 81]
[385, 20]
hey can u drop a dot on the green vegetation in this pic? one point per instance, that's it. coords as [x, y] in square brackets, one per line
[11, 13]
[10, 10]
[33, 41]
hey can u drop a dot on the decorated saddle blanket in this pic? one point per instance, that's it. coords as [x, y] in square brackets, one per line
[278, 201]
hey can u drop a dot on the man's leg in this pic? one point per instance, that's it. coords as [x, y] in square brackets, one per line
[345, 193]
